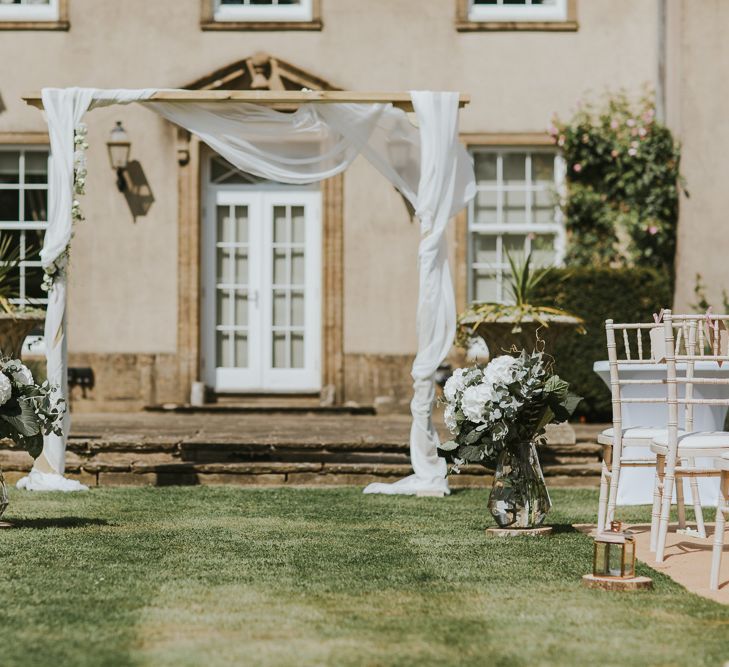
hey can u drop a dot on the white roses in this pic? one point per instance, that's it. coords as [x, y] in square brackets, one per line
[6, 389]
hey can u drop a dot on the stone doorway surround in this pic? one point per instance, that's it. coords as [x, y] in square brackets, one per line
[258, 72]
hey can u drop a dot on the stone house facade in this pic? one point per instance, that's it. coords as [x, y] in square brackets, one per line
[197, 272]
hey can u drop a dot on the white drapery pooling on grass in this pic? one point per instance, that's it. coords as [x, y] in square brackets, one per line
[319, 140]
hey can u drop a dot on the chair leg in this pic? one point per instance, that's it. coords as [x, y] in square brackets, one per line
[666, 502]
[613, 495]
[721, 509]
[657, 489]
[698, 512]
[680, 503]
[607, 452]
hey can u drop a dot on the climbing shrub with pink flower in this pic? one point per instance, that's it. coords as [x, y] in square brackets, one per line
[622, 184]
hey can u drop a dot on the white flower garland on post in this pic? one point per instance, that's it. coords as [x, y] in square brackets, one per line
[60, 265]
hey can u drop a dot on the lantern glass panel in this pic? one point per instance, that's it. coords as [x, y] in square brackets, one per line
[615, 560]
[599, 568]
[629, 558]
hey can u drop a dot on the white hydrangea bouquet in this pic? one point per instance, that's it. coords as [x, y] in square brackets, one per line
[497, 414]
[28, 411]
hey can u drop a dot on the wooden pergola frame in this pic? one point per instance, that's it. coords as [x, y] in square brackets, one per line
[274, 97]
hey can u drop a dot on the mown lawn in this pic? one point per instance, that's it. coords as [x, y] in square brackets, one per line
[222, 576]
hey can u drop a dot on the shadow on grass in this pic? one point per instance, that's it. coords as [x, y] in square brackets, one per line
[62, 522]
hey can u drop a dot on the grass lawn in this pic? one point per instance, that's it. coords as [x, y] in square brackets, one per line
[221, 576]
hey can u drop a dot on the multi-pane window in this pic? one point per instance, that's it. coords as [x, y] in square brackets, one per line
[28, 10]
[24, 216]
[263, 10]
[515, 212]
[518, 10]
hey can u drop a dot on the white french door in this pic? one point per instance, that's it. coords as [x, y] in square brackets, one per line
[262, 289]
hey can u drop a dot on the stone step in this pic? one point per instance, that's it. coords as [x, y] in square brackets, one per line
[262, 408]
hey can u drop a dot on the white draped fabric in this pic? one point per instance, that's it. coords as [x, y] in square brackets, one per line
[427, 164]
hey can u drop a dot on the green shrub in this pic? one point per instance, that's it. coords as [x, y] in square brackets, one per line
[622, 185]
[596, 294]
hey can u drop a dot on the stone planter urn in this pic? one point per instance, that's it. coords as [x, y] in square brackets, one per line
[503, 333]
[14, 327]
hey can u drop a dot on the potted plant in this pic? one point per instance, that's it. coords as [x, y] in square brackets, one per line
[15, 323]
[521, 325]
[497, 414]
[28, 411]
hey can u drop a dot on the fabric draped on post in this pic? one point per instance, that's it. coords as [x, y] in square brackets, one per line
[64, 110]
[317, 141]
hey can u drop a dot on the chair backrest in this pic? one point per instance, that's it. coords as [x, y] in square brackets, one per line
[631, 344]
[705, 339]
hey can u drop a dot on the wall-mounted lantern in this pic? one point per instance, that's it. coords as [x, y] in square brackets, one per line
[119, 147]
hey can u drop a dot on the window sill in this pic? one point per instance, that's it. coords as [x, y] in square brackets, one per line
[262, 25]
[35, 25]
[525, 26]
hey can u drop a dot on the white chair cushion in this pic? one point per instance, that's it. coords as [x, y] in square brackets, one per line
[634, 433]
[709, 443]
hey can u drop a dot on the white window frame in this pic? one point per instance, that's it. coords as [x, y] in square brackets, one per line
[501, 229]
[49, 12]
[33, 345]
[518, 13]
[300, 12]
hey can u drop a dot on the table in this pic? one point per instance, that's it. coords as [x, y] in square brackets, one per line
[636, 484]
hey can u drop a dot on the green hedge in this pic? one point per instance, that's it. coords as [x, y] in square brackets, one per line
[596, 294]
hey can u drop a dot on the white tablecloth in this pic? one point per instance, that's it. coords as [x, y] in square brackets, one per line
[636, 484]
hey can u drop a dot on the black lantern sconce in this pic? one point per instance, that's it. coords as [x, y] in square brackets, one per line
[119, 147]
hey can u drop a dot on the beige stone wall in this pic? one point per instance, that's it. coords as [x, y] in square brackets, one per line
[698, 53]
[123, 295]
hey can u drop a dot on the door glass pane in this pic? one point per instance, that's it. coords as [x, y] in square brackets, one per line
[298, 224]
[240, 346]
[297, 309]
[241, 266]
[225, 227]
[280, 276]
[280, 232]
[297, 350]
[223, 309]
[297, 267]
[225, 265]
[279, 350]
[279, 308]
[241, 308]
[241, 224]
[224, 351]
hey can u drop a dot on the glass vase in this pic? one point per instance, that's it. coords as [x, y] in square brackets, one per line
[4, 498]
[519, 496]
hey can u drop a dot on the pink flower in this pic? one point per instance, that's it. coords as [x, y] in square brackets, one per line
[648, 115]
[653, 230]
[553, 130]
[577, 167]
[634, 132]
[614, 153]
[634, 144]
[561, 140]
[630, 122]
[614, 124]
[642, 131]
